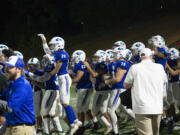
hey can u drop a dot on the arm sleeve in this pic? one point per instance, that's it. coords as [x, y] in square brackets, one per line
[130, 77]
[46, 76]
[46, 49]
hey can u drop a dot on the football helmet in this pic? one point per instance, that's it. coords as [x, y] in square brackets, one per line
[33, 61]
[157, 41]
[99, 56]
[137, 47]
[78, 56]
[109, 54]
[2, 47]
[120, 54]
[56, 43]
[120, 44]
[173, 53]
[19, 54]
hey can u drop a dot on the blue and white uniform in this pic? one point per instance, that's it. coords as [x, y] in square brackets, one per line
[84, 88]
[173, 87]
[114, 100]
[50, 99]
[64, 79]
[101, 97]
[118, 87]
[51, 95]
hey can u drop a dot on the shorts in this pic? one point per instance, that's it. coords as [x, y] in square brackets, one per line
[64, 82]
[114, 100]
[100, 102]
[83, 99]
[49, 102]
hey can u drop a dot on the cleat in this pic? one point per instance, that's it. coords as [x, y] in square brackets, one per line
[88, 126]
[170, 126]
[78, 123]
[96, 126]
[39, 132]
[72, 130]
[80, 131]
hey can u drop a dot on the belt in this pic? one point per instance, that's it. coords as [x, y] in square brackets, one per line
[19, 125]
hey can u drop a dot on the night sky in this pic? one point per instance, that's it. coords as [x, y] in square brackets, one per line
[22, 20]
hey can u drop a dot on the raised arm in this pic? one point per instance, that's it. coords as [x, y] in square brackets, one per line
[45, 45]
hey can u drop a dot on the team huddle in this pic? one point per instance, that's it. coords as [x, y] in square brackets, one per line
[105, 73]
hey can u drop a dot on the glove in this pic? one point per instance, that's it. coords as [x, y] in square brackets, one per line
[42, 36]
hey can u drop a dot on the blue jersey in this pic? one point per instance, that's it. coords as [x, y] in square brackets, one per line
[62, 56]
[39, 73]
[99, 78]
[137, 59]
[112, 67]
[173, 64]
[19, 96]
[123, 65]
[52, 83]
[84, 82]
[161, 60]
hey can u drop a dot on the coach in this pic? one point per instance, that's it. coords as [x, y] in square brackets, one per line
[148, 81]
[17, 103]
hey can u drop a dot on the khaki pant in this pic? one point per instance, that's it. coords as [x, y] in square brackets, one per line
[19, 130]
[147, 124]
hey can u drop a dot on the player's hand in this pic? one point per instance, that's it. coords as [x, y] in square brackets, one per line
[42, 36]
[85, 63]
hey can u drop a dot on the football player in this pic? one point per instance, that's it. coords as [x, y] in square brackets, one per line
[136, 48]
[56, 47]
[173, 89]
[101, 97]
[83, 87]
[33, 65]
[157, 44]
[121, 69]
[51, 96]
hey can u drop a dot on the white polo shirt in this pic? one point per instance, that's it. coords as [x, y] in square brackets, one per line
[149, 86]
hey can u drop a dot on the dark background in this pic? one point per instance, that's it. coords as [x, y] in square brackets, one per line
[22, 20]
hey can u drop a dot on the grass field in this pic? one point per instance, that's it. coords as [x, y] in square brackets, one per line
[124, 129]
